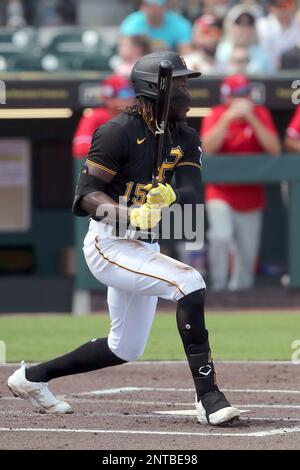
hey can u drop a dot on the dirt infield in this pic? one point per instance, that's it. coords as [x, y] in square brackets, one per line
[150, 406]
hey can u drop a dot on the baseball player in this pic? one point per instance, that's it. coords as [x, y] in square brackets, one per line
[120, 164]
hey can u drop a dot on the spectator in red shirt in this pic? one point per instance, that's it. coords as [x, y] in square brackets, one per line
[116, 93]
[292, 135]
[235, 211]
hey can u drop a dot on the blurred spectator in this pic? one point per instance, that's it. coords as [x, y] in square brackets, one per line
[239, 60]
[292, 136]
[15, 17]
[46, 13]
[290, 60]
[218, 8]
[256, 5]
[55, 12]
[207, 31]
[116, 93]
[240, 30]
[130, 50]
[165, 28]
[279, 31]
[67, 10]
[235, 211]
[29, 11]
[192, 9]
[2, 14]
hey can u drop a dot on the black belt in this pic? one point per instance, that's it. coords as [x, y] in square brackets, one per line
[147, 237]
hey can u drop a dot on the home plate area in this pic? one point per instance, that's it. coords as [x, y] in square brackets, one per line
[150, 405]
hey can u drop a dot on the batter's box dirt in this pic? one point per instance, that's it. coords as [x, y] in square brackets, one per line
[150, 406]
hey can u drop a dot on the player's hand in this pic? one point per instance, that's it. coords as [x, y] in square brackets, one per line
[161, 196]
[145, 217]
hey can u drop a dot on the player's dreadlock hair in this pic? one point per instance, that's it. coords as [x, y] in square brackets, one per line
[145, 108]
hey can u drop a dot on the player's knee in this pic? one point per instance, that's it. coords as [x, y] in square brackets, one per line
[192, 281]
[193, 300]
[129, 353]
[135, 352]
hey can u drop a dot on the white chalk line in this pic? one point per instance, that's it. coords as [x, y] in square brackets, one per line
[117, 390]
[183, 413]
[155, 403]
[118, 414]
[271, 432]
[186, 413]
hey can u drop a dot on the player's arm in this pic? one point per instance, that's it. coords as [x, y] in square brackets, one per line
[97, 180]
[188, 172]
[188, 185]
[109, 144]
[98, 203]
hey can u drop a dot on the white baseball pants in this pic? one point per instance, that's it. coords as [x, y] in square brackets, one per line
[136, 274]
[235, 232]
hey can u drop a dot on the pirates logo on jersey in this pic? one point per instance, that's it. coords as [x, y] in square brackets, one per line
[170, 163]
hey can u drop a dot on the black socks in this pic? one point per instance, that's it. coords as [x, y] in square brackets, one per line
[90, 356]
[202, 368]
[194, 336]
[190, 318]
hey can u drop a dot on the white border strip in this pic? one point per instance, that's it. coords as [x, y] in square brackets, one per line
[272, 432]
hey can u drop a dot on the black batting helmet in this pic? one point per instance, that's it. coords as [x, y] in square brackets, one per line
[144, 75]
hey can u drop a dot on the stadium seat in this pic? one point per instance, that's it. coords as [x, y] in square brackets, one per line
[19, 50]
[20, 62]
[26, 62]
[70, 49]
[78, 41]
[55, 63]
[77, 49]
[17, 41]
[95, 62]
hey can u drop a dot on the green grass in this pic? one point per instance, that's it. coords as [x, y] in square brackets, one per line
[239, 336]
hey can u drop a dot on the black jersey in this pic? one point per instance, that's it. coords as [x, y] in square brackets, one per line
[125, 148]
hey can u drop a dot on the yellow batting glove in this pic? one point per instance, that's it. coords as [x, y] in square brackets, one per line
[161, 196]
[145, 217]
